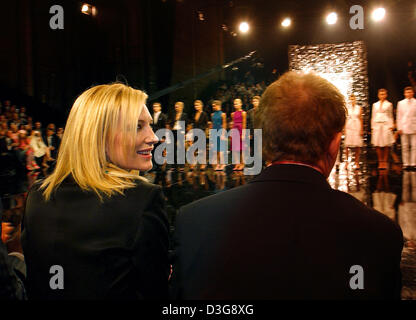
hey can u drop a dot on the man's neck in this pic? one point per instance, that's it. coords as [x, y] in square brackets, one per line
[299, 163]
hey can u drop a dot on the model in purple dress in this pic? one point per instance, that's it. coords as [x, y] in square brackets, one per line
[239, 122]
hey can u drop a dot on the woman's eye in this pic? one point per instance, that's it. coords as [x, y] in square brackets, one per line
[139, 127]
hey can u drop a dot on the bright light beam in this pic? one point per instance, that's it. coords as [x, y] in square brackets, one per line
[332, 18]
[378, 14]
[244, 27]
[286, 22]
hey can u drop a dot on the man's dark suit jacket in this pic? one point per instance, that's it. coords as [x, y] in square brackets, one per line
[161, 122]
[183, 117]
[114, 250]
[285, 235]
[202, 122]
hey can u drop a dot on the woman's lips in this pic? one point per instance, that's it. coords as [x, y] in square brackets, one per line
[146, 153]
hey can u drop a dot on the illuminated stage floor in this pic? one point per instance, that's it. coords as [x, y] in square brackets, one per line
[392, 192]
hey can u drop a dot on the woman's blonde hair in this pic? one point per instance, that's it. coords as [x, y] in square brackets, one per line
[97, 115]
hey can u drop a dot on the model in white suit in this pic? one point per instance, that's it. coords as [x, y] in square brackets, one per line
[382, 125]
[406, 126]
[354, 129]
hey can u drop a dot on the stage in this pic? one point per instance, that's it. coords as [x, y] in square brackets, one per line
[392, 192]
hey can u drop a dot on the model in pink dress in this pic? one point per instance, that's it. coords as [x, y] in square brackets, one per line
[239, 123]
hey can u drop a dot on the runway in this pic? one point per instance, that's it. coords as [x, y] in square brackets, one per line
[391, 191]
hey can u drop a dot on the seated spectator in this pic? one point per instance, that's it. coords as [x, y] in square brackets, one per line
[40, 151]
[12, 265]
[16, 120]
[287, 234]
[12, 140]
[38, 127]
[12, 174]
[52, 141]
[22, 113]
[60, 134]
[22, 148]
[30, 122]
[14, 135]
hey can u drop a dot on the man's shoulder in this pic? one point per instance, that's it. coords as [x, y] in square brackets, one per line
[366, 217]
[350, 203]
[220, 199]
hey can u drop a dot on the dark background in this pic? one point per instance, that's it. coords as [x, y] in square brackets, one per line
[152, 44]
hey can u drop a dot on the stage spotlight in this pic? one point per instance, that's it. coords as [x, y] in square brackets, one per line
[378, 14]
[85, 8]
[286, 22]
[332, 18]
[244, 27]
[201, 16]
[88, 9]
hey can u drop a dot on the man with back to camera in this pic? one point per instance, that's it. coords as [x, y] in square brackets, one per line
[406, 126]
[287, 234]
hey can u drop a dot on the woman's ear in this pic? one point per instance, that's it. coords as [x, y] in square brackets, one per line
[107, 157]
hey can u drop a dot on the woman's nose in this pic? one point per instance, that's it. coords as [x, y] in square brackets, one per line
[151, 137]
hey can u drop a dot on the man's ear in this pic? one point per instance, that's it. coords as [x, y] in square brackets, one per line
[334, 145]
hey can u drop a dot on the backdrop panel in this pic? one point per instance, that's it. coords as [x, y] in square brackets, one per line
[344, 64]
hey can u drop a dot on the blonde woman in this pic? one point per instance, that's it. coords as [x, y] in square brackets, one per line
[101, 225]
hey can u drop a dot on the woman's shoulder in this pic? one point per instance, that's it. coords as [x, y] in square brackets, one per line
[144, 192]
[36, 185]
[142, 185]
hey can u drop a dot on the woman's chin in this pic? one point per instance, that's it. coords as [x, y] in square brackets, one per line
[146, 167]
